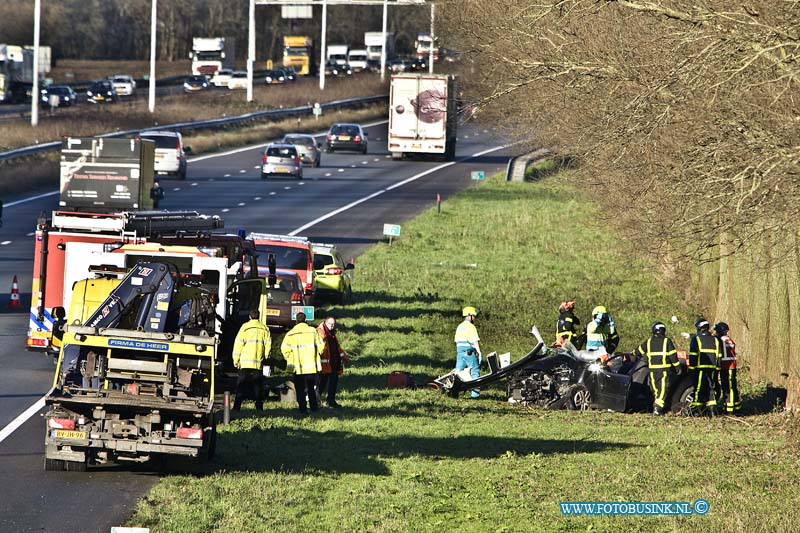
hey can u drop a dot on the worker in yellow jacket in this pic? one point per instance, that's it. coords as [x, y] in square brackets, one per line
[302, 347]
[250, 351]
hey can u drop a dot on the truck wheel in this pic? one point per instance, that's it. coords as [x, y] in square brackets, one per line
[579, 398]
[76, 466]
[54, 465]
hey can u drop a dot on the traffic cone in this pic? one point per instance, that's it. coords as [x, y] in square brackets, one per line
[14, 302]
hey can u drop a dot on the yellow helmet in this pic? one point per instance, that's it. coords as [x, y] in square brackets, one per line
[469, 310]
[599, 309]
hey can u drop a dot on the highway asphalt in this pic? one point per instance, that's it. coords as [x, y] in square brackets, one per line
[346, 201]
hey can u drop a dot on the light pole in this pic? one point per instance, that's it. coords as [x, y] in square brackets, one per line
[251, 49]
[433, 39]
[322, 45]
[383, 48]
[151, 97]
[35, 96]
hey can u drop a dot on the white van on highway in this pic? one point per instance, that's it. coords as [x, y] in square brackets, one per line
[357, 60]
[170, 156]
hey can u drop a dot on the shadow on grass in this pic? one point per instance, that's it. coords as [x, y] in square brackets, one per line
[300, 450]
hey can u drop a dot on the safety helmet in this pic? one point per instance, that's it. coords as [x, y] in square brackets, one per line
[469, 310]
[721, 328]
[658, 328]
[599, 309]
[701, 324]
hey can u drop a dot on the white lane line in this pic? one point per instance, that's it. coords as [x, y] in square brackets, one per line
[387, 156]
[301, 183]
[31, 234]
[176, 188]
[242, 171]
[327, 174]
[21, 419]
[198, 158]
[256, 167]
[365, 162]
[392, 187]
[225, 210]
[353, 165]
[257, 198]
[241, 204]
[227, 176]
[194, 184]
[286, 188]
[376, 159]
[5, 243]
[273, 193]
[339, 170]
[31, 198]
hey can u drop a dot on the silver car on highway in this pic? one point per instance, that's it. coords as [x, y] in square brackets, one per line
[307, 148]
[282, 160]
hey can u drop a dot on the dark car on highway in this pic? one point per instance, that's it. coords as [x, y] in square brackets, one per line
[66, 96]
[347, 137]
[101, 91]
[196, 83]
[275, 76]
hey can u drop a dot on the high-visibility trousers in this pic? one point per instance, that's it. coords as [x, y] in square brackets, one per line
[659, 384]
[731, 400]
[703, 379]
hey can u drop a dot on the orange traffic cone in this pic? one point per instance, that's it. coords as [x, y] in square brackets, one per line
[14, 302]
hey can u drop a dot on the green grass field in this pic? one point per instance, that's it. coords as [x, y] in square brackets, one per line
[414, 460]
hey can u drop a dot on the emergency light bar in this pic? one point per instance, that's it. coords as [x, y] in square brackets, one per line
[276, 237]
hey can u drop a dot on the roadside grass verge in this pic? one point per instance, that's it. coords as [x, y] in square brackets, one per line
[74, 70]
[415, 460]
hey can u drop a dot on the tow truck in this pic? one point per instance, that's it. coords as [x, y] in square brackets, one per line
[135, 379]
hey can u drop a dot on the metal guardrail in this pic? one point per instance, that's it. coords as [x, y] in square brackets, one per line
[202, 124]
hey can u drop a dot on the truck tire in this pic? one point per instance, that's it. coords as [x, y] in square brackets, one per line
[54, 465]
[76, 466]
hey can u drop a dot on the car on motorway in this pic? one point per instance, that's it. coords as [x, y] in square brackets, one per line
[289, 73]
[196, 83]
[281, 159]
[170, 153]
[101, 91]
[307, 147]
[275, 77]
[287, 291]
[332, 68]
[289, 252]
[333, 278]
[238, 80]
[66, 96]
[124, 84]
[346, 137]
[398, 64]
[222, 77]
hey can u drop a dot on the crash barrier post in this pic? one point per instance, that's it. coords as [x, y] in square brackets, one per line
[519, 164]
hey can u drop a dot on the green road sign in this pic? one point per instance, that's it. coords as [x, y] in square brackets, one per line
[307, 310]
[478, 175]
[392, 230]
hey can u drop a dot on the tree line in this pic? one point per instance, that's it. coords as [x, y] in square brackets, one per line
[120, 29]
[684, 117]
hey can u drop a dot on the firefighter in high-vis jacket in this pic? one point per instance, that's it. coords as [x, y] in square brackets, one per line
[250, 352]
[662, 361]
[568, 327]
[731, 401]
[468, 347]
[704, 355]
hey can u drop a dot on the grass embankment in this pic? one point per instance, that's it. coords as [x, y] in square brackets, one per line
[76, 70]
[403, 460]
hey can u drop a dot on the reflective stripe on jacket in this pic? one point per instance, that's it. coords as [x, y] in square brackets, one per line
[466, 336]
[568, 325]
[601, 336]
[302, 347]
[704, 351]
[252, 345]
[660, 352]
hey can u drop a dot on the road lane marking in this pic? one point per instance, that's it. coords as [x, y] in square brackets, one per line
[31, 234]
[4, 243]
[392, 187]
[273, 193]
[32, 198]
[301, 183]
[194, 184]
[226, 176]
[327, 174]
[225, 210]
[339, 170]
[256, 167]
[257, 198]
[242, 171]
[365, 162]
[241, 204]
[286, 188]
[376, 159]
[21, 419]
[176, 188]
